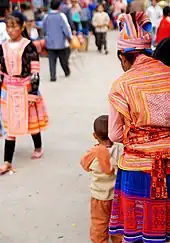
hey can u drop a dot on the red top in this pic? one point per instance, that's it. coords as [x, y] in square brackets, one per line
[163, 30]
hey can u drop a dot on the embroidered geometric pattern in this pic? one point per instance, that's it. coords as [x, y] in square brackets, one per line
[134, 214]
[142, 96]
[158, 105]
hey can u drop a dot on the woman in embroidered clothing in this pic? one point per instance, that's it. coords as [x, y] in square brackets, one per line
[23, 110]
[140, 117]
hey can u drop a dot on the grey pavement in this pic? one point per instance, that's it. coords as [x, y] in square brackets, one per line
[47, 200]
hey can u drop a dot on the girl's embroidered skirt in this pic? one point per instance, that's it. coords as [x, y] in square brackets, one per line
[22, 113]
[134, 214]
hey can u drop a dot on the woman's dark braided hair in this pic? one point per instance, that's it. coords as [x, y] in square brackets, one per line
[162, 51]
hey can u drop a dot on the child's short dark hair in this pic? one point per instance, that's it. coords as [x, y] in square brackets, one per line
[101, 127]
[99, 5]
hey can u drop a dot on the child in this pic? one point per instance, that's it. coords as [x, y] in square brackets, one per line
[101, 161]
[20, 95]
[75, 12]
[100, 22]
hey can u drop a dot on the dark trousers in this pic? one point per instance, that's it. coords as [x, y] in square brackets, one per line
[101, 40]
[63, 56]
[85, 27]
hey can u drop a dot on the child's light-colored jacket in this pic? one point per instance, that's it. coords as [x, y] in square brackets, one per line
[101, 22]
[101, 162]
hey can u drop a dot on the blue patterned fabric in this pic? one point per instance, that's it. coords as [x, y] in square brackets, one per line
[134, 214]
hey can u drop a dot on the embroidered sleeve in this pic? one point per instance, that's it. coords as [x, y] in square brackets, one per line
[35, 66]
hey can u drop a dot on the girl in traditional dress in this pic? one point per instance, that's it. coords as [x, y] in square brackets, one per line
[140, 117]
[22, 106]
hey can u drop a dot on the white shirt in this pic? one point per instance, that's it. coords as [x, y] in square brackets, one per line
[155, 14]
[34, 34]
[3, 33]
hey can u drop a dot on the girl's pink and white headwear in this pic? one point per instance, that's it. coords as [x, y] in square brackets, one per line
[135, 32]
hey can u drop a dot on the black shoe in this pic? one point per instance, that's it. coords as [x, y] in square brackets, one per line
[106, 52]
[53, 80]
[67, 74]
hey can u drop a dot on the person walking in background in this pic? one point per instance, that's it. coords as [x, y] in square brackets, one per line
[100, 22]
[65, 7]
[137, 6]
[154, 11]
[101, 161]
[85, 22]
[119, 7]
[30, 26]
[3, 33]
[58, 34]
[162, 51]
[92, 8]
[75, 17]
[164, 27]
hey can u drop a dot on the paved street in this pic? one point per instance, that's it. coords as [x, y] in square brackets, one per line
[47, 201]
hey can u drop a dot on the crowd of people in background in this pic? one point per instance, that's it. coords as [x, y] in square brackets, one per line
[82, 16]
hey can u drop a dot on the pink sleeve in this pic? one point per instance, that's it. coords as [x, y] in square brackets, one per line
[116, 123]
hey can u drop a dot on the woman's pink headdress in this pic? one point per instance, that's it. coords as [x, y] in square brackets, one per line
[134, 36]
